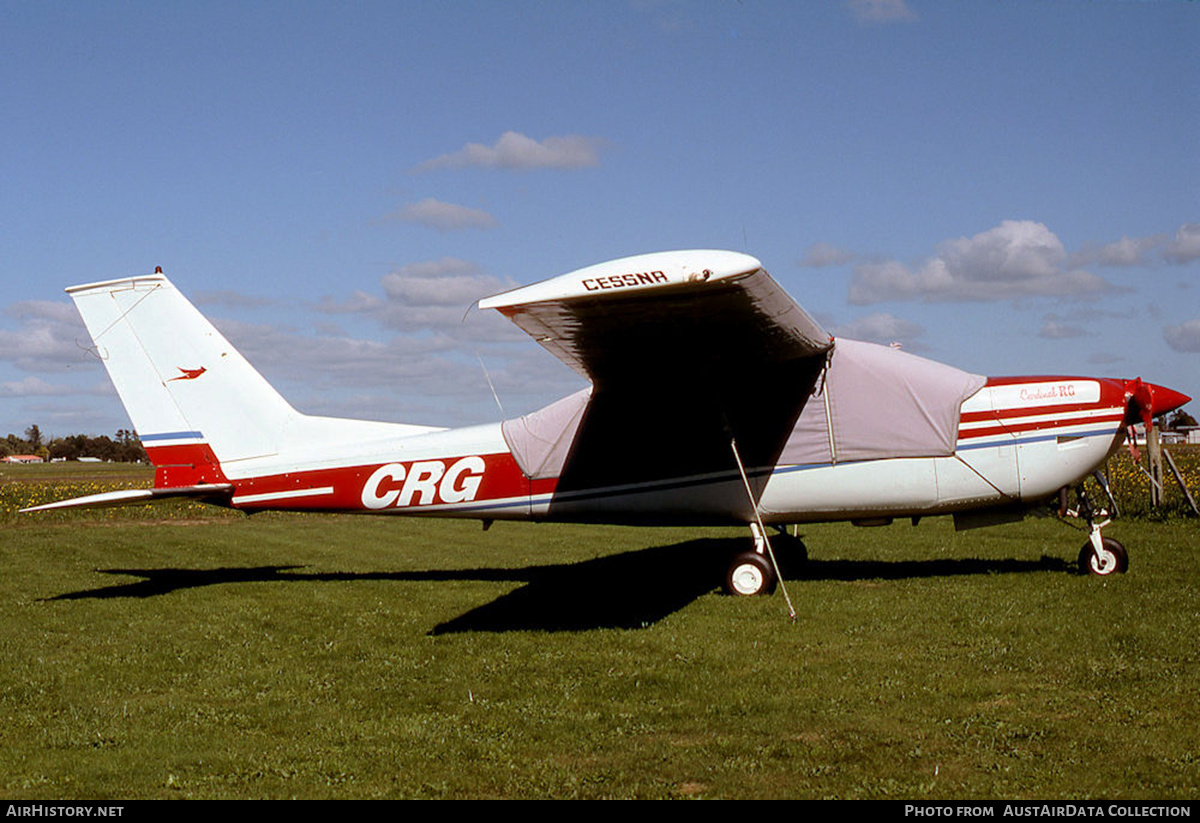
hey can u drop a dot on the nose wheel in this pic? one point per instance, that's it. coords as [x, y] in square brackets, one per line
[1101, 555]
[1110, 559]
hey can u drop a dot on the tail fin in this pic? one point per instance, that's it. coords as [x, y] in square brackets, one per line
[194, 400]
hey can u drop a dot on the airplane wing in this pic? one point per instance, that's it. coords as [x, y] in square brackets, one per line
[685, 350]
[689, 310]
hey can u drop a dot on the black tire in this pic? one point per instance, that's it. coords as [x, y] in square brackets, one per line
[789, 550]
[1089, 563]
[749, 574]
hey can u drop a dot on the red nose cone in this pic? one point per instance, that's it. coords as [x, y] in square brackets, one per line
[1165, 400]
[1148, 401]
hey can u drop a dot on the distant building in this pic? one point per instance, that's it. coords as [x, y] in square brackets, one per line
[23, 458]
[1184, 434]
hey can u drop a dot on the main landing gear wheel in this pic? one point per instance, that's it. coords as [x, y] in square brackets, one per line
[1113, 560]
[749, 574]
[790, 551]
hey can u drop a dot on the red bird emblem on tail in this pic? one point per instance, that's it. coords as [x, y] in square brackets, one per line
[189, 374]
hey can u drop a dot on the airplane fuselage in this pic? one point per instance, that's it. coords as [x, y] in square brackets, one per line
[1019, 441]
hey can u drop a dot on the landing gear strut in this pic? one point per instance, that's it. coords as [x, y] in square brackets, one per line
[1101, 555]
[746, 569]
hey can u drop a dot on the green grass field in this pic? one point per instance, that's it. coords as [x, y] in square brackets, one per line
[187, 652]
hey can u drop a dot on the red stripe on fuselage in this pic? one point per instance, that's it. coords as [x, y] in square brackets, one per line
[1039, 411]
[192, 464]
[1113, 420]
[409, 485]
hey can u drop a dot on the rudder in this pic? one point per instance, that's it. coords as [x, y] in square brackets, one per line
[195, 402]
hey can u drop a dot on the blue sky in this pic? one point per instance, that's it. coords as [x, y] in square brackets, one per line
[1013, 188]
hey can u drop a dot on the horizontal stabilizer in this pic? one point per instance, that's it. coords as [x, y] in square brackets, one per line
[129, 497]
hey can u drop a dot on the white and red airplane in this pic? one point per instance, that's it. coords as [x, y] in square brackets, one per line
[714, 399]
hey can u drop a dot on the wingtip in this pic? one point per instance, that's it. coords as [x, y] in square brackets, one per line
[639, 273]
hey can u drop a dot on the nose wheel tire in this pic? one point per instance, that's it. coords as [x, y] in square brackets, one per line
[1114, 560]
[749, 574]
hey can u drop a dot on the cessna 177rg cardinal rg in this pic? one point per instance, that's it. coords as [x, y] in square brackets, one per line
[714, 399]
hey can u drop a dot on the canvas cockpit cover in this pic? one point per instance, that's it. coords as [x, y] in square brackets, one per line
[883, 403]
[876, 402]
[541, 440]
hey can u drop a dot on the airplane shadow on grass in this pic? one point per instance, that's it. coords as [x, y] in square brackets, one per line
[630, 590]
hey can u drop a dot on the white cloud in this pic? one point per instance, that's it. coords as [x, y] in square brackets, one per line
[516, 151]
[446, 282]
[823, 254]
[1180, 248]
[438, 295]
[881, 11]
[1053, 328]
[888, 280]
[436, 214]
[1185, 337]
[1018, 258]
[1185, 247]
[359, 302]
[1128, 251]
[33, 387]
[881, 327]
[50, 311]
[433, 296]
[51, 338]
[336, 361]
[230, 299]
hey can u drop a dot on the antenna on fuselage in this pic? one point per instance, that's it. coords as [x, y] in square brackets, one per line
[478, 357]
[491, 386]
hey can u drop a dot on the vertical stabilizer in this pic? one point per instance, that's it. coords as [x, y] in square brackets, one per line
[194, 400]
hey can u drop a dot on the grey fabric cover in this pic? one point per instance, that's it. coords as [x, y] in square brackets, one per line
[541, 440]
[884, 403]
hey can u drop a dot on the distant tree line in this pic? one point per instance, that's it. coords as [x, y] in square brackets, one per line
[123, 448]
[1180, 419]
